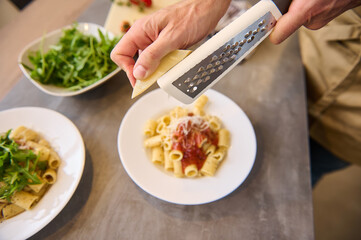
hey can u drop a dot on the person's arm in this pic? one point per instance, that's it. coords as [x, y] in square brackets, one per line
[175, 27]
[313, 14]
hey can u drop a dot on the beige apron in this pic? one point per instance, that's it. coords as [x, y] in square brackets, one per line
[332, 60]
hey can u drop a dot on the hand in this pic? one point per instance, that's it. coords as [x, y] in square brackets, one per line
[312, 14]
[175, 27]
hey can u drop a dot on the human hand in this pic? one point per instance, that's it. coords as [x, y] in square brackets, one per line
[312, 14]
[175, 27]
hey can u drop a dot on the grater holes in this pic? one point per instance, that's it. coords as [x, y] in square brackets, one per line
[226, 48]
[260, 24]
[201, 69]
[214, 58]
[250, 39]
[194, 89]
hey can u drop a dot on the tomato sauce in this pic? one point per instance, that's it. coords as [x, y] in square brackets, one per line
[188, 139]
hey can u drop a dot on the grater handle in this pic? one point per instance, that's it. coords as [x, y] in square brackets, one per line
[283, 5]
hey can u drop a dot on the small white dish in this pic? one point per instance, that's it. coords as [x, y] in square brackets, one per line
[51, 39]
[162, 184]
[66, 139]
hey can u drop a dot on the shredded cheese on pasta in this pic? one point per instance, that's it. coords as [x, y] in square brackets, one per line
[197, 123]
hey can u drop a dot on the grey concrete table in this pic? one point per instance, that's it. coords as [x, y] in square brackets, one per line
[273, 203]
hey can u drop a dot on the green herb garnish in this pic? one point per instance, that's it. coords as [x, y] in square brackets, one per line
[75, 62]
[17, 167]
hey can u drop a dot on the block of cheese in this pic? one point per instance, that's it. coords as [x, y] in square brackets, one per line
[120, 13]
[169, 61]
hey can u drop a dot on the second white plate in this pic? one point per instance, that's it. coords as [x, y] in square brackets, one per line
[153, 180]
[66, 139]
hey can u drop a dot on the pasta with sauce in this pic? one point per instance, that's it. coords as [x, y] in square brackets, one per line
[188, 143]
[28, 168]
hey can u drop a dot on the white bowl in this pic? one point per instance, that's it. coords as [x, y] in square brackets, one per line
[51, 39]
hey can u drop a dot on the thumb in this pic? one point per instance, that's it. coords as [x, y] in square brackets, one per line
[150, 57]
[286, 26]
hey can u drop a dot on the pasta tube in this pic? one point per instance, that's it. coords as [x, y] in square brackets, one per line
[220, 154]
[167, 144]
[37, 187]
[224, 138]
[160, 127]
[54, 160]
[168, 163]
[165, 119]
[49, 176]
[201, 102]
[45, 143]
[178, 112]
[209, 167]
[24, 133]
[176, 155]
[149, 128]
[40, 150]
[198, 111]
[154, 141]
[157, 155]
[191, 170]
[214, 123]
[178, 170]
[24, 199]
[210, 150]
[11, 210]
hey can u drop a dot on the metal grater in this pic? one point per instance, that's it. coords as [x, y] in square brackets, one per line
[208, 70]
[216, 57]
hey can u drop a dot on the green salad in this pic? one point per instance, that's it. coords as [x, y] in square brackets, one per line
[76, 61]
[18, 167]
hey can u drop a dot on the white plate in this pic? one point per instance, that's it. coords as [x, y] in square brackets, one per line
[51, 39]
[161, 184]
[65, 138]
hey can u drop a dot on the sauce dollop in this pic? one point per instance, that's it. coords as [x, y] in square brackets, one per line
[189, 136]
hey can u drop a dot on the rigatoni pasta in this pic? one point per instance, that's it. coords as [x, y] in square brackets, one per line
[189, 143]
[31, 166]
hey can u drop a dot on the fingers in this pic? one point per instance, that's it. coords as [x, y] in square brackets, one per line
[123, 56]
[298, 14]
[123, 53]
[285, 27]
[150, 57]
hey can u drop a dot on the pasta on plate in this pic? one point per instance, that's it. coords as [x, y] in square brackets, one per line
[187, 143]
[28, 167]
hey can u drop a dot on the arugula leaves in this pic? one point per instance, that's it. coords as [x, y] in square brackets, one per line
[18, 167]
[75, 62]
